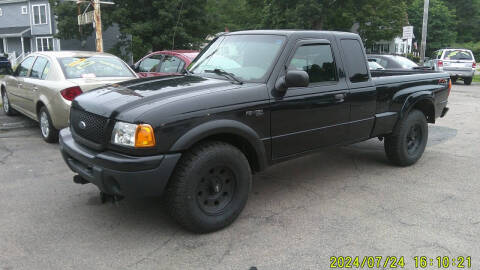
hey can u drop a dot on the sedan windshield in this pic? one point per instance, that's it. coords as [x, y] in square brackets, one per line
[93, 67]
[246, 57]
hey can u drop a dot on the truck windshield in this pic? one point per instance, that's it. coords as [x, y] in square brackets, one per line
[247, 57]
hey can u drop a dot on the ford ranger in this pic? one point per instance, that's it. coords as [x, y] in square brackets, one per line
[250, 99]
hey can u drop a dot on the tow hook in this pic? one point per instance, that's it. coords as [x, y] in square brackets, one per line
[77, 179]
[104, 198]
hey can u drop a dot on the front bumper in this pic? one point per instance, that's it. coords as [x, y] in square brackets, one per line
[118, 174]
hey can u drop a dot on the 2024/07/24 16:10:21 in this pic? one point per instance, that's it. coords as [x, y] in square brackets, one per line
[443, 262]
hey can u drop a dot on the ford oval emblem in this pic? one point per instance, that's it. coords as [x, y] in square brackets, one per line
[82, 125]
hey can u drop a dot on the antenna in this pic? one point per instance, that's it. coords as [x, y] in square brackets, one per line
[176, 25]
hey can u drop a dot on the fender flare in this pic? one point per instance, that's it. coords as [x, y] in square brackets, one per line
[413, 99]
[217, 127]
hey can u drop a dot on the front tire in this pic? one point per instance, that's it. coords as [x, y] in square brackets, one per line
[468, 81]
[209, 187]
[49, 132]
[7, 107]
[406, 145]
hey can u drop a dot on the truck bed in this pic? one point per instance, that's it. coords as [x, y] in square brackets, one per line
[382, 77]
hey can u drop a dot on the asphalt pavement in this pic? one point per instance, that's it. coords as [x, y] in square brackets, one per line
[345, 201]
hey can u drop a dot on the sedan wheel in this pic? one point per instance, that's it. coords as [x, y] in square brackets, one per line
[49, 133]
[44, 125]
[6, 104]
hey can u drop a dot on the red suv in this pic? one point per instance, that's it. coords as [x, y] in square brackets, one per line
[164, 63]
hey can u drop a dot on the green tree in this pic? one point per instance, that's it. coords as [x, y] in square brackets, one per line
[376, 19]
[442, 30]
[468, 19]
[234, 15]
[162, 24]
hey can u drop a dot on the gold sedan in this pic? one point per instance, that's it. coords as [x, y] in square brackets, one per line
[44, 84]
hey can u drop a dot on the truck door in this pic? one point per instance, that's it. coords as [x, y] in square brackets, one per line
[363, 93]
[307, 118]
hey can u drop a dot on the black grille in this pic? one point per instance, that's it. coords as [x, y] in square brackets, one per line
[88, 125]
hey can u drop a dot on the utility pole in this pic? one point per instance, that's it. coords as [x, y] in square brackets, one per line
[98, 25]
[424, 31]
[94, 16]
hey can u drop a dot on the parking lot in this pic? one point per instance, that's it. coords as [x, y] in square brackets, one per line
[340, 202]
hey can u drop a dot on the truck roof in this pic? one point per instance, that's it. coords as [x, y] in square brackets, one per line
[294, 32]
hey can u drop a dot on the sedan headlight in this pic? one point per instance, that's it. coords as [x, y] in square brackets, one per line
[127, 134]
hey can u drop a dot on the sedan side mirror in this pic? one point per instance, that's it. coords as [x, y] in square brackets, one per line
[294, 78]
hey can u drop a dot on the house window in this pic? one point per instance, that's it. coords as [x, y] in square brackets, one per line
[24, 10]
[39, 14]
[44, 44]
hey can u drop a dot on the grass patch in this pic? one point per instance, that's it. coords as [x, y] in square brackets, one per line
[476, 78]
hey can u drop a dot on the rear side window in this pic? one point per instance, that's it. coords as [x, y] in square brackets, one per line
[45, 71]
[150, 64]
[317, 60]
[355, 61]
[25, 66]
[458, 55]
[171, 64]
[38, 68]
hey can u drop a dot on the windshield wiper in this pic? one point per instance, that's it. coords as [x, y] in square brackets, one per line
[224, 73]
[187, 72]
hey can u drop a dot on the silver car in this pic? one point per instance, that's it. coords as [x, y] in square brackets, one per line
[44, 84]
[459, 63]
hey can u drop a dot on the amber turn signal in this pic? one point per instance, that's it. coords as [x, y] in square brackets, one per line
[144, 136]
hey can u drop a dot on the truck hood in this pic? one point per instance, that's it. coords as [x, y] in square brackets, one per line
[139, 94]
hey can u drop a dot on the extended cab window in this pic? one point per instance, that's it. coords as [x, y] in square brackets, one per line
[355, 61]
[38, 68]
[317, 60]
[25, 66]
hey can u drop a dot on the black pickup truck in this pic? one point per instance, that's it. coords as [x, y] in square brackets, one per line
[251, 99]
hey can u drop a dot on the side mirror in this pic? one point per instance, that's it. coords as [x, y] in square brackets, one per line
[294, 78]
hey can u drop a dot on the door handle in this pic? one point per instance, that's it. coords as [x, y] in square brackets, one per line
[19, 84]
[340, 97]
[35, 88]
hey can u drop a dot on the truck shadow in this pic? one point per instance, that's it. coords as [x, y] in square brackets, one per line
[321, 176]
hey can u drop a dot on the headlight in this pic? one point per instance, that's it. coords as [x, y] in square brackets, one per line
[133, 135]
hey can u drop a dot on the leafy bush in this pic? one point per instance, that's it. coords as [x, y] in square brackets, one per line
[413, 57]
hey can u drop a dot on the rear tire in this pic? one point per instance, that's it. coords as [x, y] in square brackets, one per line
[7, 107]
[209, 187]
[49, 132]
[405, 146]
[468, 81]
